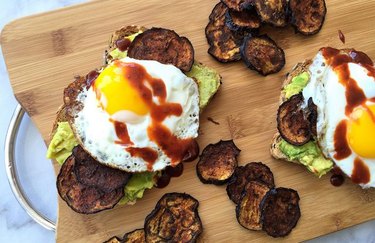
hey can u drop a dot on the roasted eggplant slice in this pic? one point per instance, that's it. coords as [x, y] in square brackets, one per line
[174, 219]
[92, 173]
[113, 239]
[238, 5]
[81, 198]
[280, 211]
[224, 44]
[246, 20]
[135, 236]
[312, 117]
[291, 121]
[272, 12]
[307, 16]
[217, 162]
[248, 211]
[262, 54]
[165, 46]
[254, 171]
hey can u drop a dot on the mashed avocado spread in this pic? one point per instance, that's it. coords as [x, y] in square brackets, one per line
[62, 143]
[117, 54]
[308, 154]
[298, 83]
[61, 148]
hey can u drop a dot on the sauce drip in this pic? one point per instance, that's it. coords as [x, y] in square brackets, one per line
[337, 178]
[122, 133]
[147, 154]
[149, 87]
[340, 143]
[341, 36]
[123, 44]
[91, 77]
[361, 173]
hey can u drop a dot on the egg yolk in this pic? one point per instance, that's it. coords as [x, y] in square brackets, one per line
[119, 94]
[361, 131]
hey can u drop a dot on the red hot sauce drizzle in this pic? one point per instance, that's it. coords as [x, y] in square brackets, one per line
[174, 147]
[122, 133]
[342, 148]
[360, 173]
[355, 96]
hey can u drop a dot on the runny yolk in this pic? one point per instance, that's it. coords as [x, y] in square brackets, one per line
[115, 92]
[361, 131]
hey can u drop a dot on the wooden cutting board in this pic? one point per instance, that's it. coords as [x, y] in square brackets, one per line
[45, 51]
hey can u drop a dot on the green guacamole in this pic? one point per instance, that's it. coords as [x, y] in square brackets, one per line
[137, 185]
[117, 54]
[309, 155]
[208, 82]
[298, 83]
[62, 143]
[61, 148]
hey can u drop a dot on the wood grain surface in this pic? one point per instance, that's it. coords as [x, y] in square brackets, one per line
[44, 52]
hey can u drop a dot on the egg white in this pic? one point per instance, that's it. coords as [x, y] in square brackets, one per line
[98, 134]
[329, 96]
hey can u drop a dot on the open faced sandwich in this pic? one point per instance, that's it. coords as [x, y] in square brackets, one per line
[128, 126]
[326, 116]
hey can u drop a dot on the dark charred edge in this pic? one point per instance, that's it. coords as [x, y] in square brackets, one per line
[236, 152]
[239, 208]
[174, 35]
[279, 123]
[159, 204]
[292, 21]
[247, 4]
[239, 172]
[247, 61]
[312, 117]
[66, 163]
[113, 239]
[213, 15]
[234, 27]
[128, 236]
[272, 192]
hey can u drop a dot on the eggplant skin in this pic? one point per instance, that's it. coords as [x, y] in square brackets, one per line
[262, 54]
[248, 212]
[254, 171]
[165, 46]
[291, 122]
[224, 44]
[307, 16]
[238, 5]
[135, 236]
[175, 218]
[217, 162]
[280, 211]
[82, 198]
[246, 20]
[113, 239]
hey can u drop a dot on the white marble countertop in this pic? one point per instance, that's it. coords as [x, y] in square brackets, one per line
[36, 172]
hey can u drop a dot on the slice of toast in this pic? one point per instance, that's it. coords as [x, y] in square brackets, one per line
[297, 70]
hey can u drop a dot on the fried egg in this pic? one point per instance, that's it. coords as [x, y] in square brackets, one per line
[342, 86]
[138, 115]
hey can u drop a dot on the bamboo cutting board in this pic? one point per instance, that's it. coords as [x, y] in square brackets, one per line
[44, 52]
